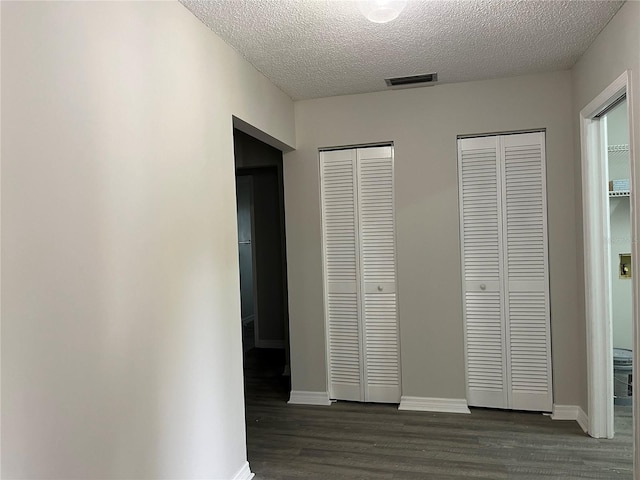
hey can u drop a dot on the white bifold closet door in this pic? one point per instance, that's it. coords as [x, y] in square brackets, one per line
[503, 220]
[360, 274]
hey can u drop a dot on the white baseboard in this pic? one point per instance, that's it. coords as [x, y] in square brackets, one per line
[571, 412]
[425, 404]
[309, 398]
[244, 473]
[583, 420]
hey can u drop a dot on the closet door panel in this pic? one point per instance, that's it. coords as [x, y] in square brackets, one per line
[378, 274]
[485, 364]
[339, 215]
[526, 272]
[529, 349]
[481, 237]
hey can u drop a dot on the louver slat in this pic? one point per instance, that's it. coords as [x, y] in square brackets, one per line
[528, 343]
[524, 214]
[484, 342]
[344, 360]
[376, 220]
[480, 216]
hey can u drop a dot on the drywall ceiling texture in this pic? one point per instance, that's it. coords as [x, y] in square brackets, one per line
[424, 124]
[314, 49]
[121, 336]
[616, 50]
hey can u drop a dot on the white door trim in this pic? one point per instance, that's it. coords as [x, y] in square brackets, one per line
[597, 262]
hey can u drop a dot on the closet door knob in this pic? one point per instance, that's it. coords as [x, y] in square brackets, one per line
[483, 286]
[380, 288]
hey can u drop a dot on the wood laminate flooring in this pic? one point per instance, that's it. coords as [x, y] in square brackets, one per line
[372, 441]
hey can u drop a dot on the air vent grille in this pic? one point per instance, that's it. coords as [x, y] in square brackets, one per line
[413, 80]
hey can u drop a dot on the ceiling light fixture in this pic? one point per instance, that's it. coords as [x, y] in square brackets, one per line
[381, 11]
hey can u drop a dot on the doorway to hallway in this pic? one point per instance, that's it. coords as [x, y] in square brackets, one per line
[262, 259]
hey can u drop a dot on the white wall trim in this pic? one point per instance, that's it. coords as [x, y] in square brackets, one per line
[426, 404]
[571, 412]
[309, 398]
[244, 473]
[595, 204]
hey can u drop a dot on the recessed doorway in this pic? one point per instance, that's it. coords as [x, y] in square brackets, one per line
[262, 262]
[610, 253]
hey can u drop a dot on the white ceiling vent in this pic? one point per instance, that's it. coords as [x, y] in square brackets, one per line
[412, 81]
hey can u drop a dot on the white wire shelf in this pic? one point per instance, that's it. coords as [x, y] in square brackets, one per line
[618, 148]
[619, 193]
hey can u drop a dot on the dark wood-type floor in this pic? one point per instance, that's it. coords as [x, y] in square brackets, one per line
[370, 441]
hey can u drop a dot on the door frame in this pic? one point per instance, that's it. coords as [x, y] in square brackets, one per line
[597, 260]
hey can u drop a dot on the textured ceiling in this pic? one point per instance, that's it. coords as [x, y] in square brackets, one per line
[321, 48]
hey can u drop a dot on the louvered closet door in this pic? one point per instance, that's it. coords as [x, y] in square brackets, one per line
[339, 214]
[506, 283]
[526, 271]
[481, 228]
[378, 275]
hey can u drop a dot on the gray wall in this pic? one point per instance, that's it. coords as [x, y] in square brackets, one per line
[424, 124]
[614, 51]
[121, 339]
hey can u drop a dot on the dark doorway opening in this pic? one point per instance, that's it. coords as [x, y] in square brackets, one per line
[262, 255]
